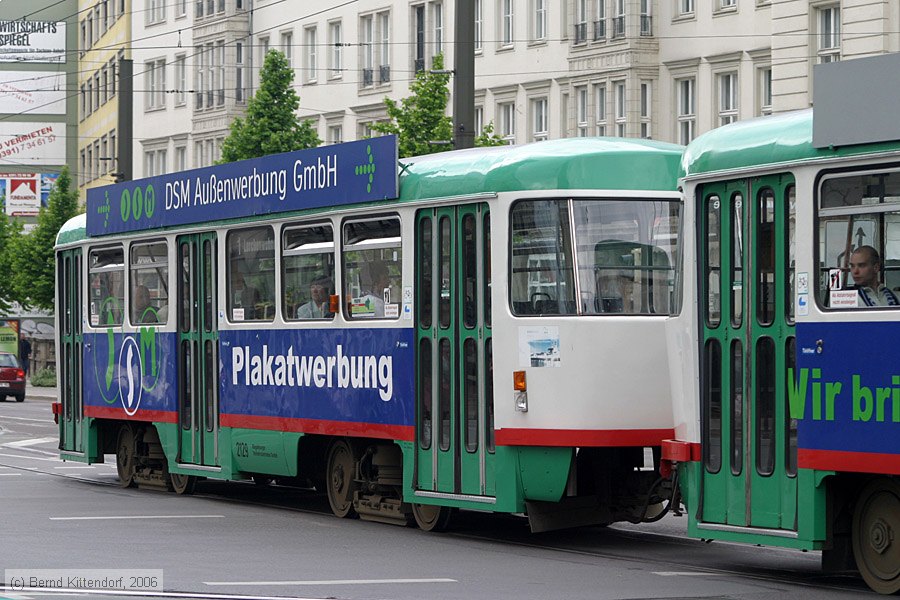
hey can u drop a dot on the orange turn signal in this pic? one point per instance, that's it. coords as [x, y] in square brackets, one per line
[334, 303]
[519, 381]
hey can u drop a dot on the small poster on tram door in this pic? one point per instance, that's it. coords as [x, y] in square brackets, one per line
[539, 347]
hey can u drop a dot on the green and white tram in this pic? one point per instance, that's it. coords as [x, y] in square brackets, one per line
[485, 330]
[788, 411]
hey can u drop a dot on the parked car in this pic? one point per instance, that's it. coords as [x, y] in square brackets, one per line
[12, 377]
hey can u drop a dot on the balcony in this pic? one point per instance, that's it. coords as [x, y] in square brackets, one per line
[368, 77]
[600, 30]
[384, 74]
[580, 33]
[646, 25]
[419, 64]
[618, 29]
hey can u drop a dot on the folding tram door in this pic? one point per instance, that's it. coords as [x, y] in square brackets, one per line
[747, 332]
[454, 416]
[69, 280]
[198, 349]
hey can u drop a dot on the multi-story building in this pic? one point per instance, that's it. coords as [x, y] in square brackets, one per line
[665, 69]
[104, 37]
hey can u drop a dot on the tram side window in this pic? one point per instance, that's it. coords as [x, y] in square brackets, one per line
[372, 260]
[308, 272]
[149, 287]
[107, 280]
[541, 273]
[251, 274]
[859, 241]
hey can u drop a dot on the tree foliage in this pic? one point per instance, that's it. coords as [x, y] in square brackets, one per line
[271, 124]
[31, 256]
[9, 234]
[420, 120]
[487, 137]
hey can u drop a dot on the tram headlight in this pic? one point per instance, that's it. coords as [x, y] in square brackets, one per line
[522, 401]
[521, 391]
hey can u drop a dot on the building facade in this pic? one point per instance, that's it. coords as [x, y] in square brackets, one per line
[662, 69]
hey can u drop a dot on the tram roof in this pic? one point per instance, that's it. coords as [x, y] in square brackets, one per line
[573, 163]
[568, 164]
[770, 140]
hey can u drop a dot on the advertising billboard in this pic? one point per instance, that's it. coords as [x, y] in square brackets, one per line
[23, 194]
[33, 92]
[33, 41]
[32, 143]
[9, 336]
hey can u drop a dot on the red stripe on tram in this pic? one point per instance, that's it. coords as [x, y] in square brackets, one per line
[838, 460]
[373, 430]
[582, 437]
[117, 412]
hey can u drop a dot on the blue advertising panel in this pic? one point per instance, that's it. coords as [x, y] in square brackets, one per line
[846, 394]
[359, 375]
[333, 175]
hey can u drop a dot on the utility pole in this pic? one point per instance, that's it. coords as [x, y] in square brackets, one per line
[124, 150]
[464, 76]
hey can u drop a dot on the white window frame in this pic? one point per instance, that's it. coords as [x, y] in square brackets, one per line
[240, 86]
[686, 107]
[479, 26]
[367, 32]
[155, 98]
[685, 7]
[600, 115]
[384, 44]
[828, 30]
[155, 13]
[539, 24]
[727, 97]
[180, 80]
[506, 112]
[507, 23]
[335, 134]
[540, 118]
[335, 33]
[437, 31]
[646, 109]
[620, 99]
[287, 46]
[581, 110]
[764, 79]
[311, 40]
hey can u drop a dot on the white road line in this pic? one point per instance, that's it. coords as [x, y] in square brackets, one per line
[31, 442]
[56, 460]
[10, 474]
[121, 517]
[78, 467]
[45, 421]
[331, 582]
[689, 574]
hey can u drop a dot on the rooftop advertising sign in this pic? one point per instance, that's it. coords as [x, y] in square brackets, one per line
[33, 41]
[336, 175]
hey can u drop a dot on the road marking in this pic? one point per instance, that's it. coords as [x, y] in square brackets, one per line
[79, 467]
[688, 574]
[122, 517]
[10, 474]
[31, 442]
[29, 457]
[45, 421]
[331, 582]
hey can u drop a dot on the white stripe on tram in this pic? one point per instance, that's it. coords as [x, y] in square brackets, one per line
[123, 517]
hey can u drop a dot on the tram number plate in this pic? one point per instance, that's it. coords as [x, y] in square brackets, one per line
[4, 384]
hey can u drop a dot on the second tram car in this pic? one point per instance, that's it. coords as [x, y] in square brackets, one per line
[490, 335]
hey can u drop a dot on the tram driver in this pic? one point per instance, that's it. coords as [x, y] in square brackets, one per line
[319, 296]
[865, 267]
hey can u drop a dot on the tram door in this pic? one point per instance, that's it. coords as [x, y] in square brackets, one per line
[69, 282]
[198, 348]
[455, 413]
[746, 245]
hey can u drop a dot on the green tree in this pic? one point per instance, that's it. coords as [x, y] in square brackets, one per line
[33, 259]
[10, 231]
[420, 119]
[487, 137]
[271, 124]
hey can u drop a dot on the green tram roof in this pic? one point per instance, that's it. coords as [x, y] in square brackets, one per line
[765, 141]
[566, 164]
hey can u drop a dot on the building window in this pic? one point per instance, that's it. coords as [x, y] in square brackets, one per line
[539, 119]
[686, 114]
[600, 103]
[765, 91]
[479, 25]
[155, 76]
[618, 30]
[727, 4]
[581, 21]
[621, 113]
[368, 58]
[156, 13]
[728, 106]
[646, 18]
[181, 8]
[685, 7]
[335, 134]
[646, 110]
[419, 26]
[287, 46]
[506, 22]
[479, 120]
[312, 56]
[263, 50]
[829, 23]
[220, 73]
[540, 20]
[507, 112]
[180, 158]
[335, 41]
[239, 92]
[581, 110]
[600, 21]
[437, 15]
[180, 80]
[384, 34]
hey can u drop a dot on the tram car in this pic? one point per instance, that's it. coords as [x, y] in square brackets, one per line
[787, 412]
[480, 329]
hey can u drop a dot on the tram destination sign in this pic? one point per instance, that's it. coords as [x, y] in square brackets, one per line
[335, 175]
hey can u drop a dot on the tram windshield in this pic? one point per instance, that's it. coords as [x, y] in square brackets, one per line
[591, 257]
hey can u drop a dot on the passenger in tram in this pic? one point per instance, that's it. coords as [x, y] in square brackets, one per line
[140, 304]
[865, 267]
[318, 305]
[380, 283]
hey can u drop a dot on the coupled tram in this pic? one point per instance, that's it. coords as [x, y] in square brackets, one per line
[452, 334]
[787, 410]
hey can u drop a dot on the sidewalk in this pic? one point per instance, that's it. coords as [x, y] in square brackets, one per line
[40, 393]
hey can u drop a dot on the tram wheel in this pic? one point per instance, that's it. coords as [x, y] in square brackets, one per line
[340, 483]
[183, 485]
[876, 535]
[125, 456]
[430, 517]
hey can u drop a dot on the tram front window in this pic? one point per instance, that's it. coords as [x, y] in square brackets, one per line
[624, 252]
